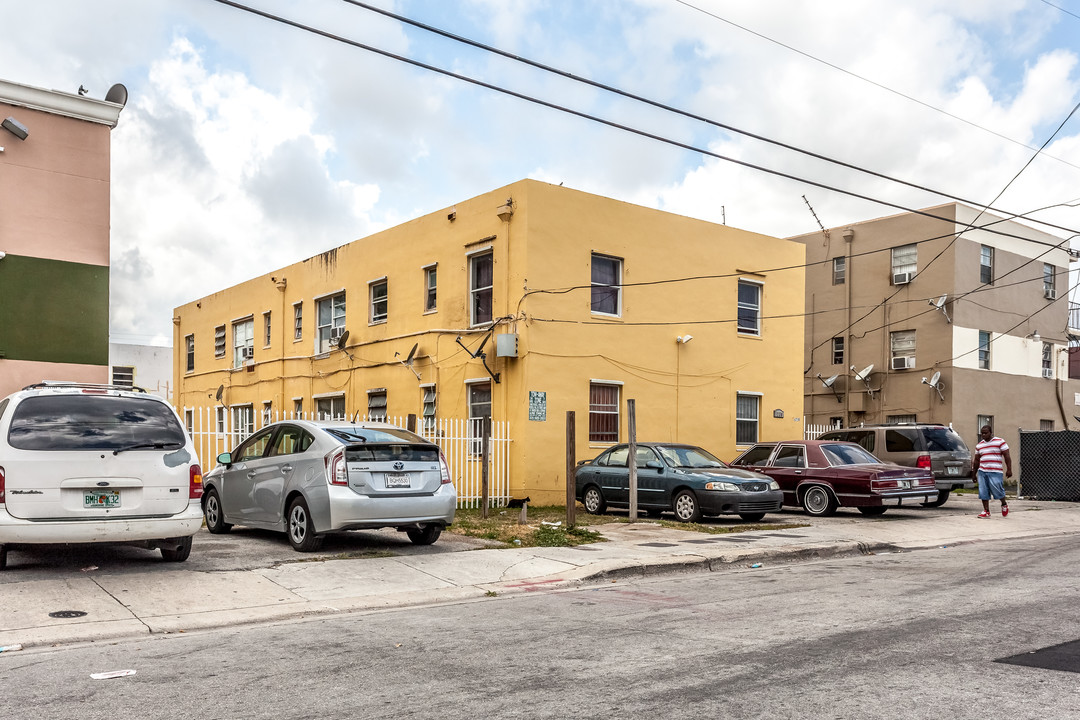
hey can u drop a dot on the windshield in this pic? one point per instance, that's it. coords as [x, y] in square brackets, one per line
[848, 455]
[688, 457]
[94, 422]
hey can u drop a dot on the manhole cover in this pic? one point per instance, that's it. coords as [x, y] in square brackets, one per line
[67, 614]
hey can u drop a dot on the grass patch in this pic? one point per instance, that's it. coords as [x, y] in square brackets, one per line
[546, 526]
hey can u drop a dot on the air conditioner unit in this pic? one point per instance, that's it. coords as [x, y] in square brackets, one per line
[1048, 373]
[1050, 293]
[248, 353]
[903, 363]
[902, 278]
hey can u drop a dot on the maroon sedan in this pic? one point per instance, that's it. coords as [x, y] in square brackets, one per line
[822, 475]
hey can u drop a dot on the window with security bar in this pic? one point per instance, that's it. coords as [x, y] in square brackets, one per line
[330, 408]
[603, 413]
[747, 413]
[123, 375]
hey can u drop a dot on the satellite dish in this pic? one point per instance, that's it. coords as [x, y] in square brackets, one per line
[864, 373]
[940, 305]
[408, 361]
[412, 354]
[342, 340]
[934, 378]
[117, 94]
[829, 382]
[220, 392]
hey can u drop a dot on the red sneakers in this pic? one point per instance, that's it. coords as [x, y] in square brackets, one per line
[1004, 511]
[984, 514]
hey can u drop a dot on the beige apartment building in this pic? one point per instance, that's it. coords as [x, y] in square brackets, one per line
[950, 316]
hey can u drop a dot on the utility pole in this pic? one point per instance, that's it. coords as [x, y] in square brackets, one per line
[631, 460]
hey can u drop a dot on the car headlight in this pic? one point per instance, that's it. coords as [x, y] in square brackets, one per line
[773, 485]
[722, 486]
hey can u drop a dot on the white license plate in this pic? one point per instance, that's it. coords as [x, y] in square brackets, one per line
[397, 480]
[952, 470]
[101, 499]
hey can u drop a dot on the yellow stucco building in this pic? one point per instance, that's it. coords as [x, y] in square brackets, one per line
[522, 304]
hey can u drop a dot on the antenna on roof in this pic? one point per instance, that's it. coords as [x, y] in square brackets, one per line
[940, 305]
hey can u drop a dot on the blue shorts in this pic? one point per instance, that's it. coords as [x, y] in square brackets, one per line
[991, 484]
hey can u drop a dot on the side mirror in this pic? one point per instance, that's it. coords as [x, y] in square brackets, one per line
[655, 465]
[224, 458]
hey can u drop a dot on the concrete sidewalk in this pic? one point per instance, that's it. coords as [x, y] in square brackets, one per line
[138, 604]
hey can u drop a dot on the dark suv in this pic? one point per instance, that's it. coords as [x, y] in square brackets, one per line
[935, 447]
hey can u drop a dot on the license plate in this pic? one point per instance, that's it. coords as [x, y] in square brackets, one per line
[952, 470]
[903, 484]
[101, 499]
[397, 480]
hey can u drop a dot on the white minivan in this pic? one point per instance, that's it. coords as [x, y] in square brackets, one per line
[83, 463]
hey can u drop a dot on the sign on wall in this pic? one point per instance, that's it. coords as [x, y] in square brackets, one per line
[537, 405]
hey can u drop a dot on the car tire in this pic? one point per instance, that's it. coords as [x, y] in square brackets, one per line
[215, 516]
[873, 511]
[942, 497]
[752, 517]
[593, 500]
[819, 502]
[182, 551]
[3, 556]
[686, 507]
[300, 528]
[426, 535]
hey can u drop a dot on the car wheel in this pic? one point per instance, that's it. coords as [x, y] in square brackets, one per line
[426, 535]
[819, 502]
[872, 511]
[942, 497]
[3, 556]
[180, 553]
[215, 518]
[686, 507]
[301, 529]
[593, 500]
[752, 517]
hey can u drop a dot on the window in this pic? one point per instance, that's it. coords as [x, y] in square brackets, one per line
[479, 409]
[986, 265]
[219, 341]
[839, 270]
[838, 351]
[266, 329]
[243, 342]
[267, 413]
[793, 456]
[221, 416]
[298, 407]
[189, 421]
[746, 419]
[298, 320]
[1046, 425]
[603, 413]
[902, 344]
[895, 440]
[606, 285]
[430, 281]
[429, 407]
[905, 259]
[330, 319]
[379, 299]
[330, 408]
[376, 405]
[243, 423]
[1049, 281]
[481, 277]
[982, 420]
[984, 350]
[749, 308]
[189, 353]
[123, 375]
[1048, 360]
[836, 422]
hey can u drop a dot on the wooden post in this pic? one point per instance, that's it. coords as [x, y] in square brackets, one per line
[485, 454]
[571, 466]
[410, 423]
[631, 460]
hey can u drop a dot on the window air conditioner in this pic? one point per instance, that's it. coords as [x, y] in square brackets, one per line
[1048, 373]
[248, 353]
[902, 278]
[903, 363]
[1050, 293]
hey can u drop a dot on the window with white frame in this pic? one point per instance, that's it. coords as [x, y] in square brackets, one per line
[298, 321]
[902, 344]
[481, 283]
[221, 419]
[982, 421]
[430, 287]
[330, 408]
[219, 341]
[123, 375]
[330, 322]
[376, 405]
[603, 413]
[984, 350]
[1049, 280]
[379, 293]
[267, 413]
[839, 270]
[749, 311]
[905, 259]
[986, 264]
[1048, 360]
[266, 329]
[298, 408]
[838, 351]
[243, 423]
[243, 342]
[189, 353]
[747, 414]
[429, 398]
[606, 285]
[189, 421]
[479, 409]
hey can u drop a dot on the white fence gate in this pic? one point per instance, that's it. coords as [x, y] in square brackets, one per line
[215, 430]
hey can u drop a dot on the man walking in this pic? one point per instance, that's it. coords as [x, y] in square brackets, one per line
[991, 454]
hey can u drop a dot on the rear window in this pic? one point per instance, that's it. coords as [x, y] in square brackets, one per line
[93, 422]
[383, 435]
[848, 455]
[943, 439]
[390, 453]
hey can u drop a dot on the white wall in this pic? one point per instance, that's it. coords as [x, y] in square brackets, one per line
[153, 366]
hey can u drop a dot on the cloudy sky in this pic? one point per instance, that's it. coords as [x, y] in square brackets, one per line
[248, 144]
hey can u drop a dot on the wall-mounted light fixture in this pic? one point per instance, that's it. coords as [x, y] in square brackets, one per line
[683, 339]
[15, 127]
[1033, 336]
[505, 212]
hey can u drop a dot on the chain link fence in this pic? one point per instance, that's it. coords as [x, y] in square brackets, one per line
[1050, 465]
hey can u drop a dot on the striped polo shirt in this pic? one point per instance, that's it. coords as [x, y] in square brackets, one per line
[990, 454]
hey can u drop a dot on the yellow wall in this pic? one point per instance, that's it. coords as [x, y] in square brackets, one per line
[541, 285]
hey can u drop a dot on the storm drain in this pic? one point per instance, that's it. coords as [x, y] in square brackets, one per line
[1064, 657]
[657, 544]
[67, 614]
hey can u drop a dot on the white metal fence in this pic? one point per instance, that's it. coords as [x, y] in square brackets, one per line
[215, 430]
[813, 432]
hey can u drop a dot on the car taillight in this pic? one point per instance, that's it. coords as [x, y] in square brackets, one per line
[195, 486]
[883, 484]
[923, 462]
[1, 486]
[445, 469]
[336, 471]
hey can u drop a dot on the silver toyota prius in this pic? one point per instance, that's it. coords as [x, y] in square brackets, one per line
[308, 478]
